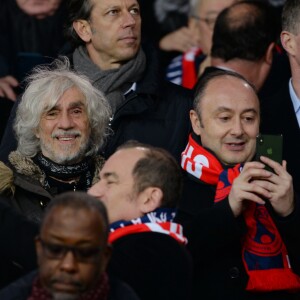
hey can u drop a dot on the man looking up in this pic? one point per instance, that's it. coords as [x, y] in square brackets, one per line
[61, 122]
[73, 252]
[235, 213]
[140, 186]
[107, 36]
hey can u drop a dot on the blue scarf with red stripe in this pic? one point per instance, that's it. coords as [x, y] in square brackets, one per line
[264, 254]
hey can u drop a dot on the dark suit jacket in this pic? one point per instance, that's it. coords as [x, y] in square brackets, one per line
[155, 265]
[278, 117]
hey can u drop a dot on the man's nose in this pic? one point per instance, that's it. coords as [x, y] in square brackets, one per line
[65, 121]
[128, 20]
[97, 190]
[237, 127]
[68, 263]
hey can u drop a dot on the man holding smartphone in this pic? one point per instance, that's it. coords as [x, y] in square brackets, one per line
[240, 219]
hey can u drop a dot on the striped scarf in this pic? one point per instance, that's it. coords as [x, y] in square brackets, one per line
[160, 220]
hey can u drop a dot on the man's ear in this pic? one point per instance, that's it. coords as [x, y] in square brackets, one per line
[83, 29]
[288, 42]
[195, 121]
[150, 199]
[269, 54]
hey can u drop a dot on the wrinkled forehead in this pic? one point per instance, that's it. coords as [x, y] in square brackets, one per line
[69, 97]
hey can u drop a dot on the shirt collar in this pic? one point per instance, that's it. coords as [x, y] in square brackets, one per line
[295, 99]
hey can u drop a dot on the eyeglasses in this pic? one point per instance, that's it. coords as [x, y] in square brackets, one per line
[56, 251]
[210, 22]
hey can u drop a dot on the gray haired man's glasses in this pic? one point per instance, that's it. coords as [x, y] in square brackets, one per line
[210, 21]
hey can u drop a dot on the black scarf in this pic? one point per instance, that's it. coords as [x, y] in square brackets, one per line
[62, 178]
[114, 83]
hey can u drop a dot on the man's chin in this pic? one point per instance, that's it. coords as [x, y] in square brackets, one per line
[233, 160]
[64, 296]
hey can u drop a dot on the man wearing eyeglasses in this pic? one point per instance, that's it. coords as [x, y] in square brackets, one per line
[184, 69]
[73, 252]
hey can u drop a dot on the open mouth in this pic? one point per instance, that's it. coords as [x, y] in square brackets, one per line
[236, 146]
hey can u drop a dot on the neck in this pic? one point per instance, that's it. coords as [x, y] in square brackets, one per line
[253, 71]
[103, 62]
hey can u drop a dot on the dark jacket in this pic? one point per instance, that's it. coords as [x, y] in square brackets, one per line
[21, 185]
[278, 117]
[17, 251]
[21, 289]
[157, 113]
[155, 265]
[214, 236]
[24, 40]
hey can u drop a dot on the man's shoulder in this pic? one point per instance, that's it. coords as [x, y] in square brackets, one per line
[20, 289]
[142, 242]
[119, 290]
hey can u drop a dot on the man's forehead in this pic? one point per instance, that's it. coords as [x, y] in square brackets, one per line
[69, 219]
[232, 89]
[218, 84]
[123, 160]
[71, 97]
[115, 3]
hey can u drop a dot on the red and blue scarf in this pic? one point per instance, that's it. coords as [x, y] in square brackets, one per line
[160, 220]
[264, 254]
[189, 71]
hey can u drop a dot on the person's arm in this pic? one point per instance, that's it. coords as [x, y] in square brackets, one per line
[208, 226]
[182, 40]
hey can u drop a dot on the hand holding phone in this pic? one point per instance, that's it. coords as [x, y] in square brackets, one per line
[269, 146]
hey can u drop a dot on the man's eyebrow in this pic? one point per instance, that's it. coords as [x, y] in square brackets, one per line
[109, 174]
[226, 109]
[250, 110]
[78, 103]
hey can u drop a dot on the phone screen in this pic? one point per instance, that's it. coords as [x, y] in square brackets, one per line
[269, 146]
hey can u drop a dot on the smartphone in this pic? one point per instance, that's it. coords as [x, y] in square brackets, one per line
[269, 146]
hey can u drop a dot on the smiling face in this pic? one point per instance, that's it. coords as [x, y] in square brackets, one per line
[113, 33]
[64, 130]
[229, 120]
[66, 275]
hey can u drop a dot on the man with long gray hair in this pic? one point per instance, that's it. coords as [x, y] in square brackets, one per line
[61, 122]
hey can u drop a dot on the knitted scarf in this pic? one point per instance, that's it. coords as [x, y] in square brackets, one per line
[100, 292]
[114, 83]
[264, 254]
[160, 220]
